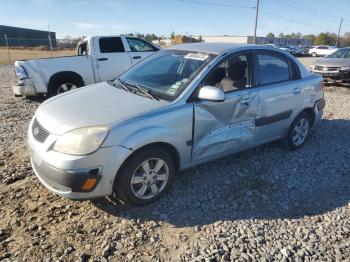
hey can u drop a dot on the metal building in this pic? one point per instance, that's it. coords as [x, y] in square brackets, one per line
[17, 36]
[259, 40]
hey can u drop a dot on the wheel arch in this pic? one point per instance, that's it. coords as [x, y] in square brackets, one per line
[310, 112]
[63, 74]
[164, 145]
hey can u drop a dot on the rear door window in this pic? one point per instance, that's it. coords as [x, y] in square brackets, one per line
[272, 69]
[111, 45]
[138, 45]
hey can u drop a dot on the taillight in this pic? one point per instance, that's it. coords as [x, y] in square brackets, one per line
[20, 72]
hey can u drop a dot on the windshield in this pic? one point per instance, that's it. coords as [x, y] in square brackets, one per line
[168, 72]
[341, 53]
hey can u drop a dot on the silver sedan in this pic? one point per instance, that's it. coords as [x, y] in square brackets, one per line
[181, 107]
[334, 67]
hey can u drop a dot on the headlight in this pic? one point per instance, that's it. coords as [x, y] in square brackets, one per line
[21, 72]
[81, 141]
[345, 68]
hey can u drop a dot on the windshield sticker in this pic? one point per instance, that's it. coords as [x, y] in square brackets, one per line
[197, 56]
[172, 90]
[174, 87]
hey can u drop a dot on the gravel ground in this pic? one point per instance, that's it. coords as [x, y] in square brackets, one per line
[264, 204]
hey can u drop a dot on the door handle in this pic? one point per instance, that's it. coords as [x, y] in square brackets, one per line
[296, 90]
[102, 59]
[136, 57]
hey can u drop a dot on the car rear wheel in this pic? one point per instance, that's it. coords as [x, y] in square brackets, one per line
[145, 177]
[314, 54]
[298, 132]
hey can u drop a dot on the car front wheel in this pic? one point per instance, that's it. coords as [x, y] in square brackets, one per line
[298, 132]
[314, 54]
[145, 176]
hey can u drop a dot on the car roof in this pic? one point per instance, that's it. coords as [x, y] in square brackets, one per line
[213, 48]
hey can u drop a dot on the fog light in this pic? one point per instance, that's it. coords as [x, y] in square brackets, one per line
[89, 183]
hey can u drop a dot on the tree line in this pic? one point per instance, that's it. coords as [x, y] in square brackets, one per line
[324, 38]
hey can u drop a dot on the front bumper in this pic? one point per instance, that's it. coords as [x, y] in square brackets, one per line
[66, 175]
[24, 88]
[67, 181]
[334, 76]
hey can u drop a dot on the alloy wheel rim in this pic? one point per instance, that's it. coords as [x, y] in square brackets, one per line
[66, 87]
[300, 131]
[149, 178]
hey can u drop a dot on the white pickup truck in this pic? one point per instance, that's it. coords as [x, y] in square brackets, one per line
[99, 58]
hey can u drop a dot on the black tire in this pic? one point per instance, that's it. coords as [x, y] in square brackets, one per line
[58, 81]
[122, 184]
[288, 141]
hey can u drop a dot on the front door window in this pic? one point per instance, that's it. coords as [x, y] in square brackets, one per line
[228, 126]
[232, 74]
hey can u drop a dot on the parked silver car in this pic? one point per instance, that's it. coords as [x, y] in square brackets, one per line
[334, 67]
[183, 106]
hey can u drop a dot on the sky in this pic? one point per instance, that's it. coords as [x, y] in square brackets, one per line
[191, 17]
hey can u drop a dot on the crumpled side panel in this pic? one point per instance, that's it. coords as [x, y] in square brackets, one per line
[228, 126]
[209, 117]
[244, 112]
[229, 138]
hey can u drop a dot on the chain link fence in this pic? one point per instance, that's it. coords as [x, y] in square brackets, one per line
[13, 49]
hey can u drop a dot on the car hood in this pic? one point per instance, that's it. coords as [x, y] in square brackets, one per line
[336, 62]
[98, 104]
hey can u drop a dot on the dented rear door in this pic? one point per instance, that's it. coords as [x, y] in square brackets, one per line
[280, 94]
[225, 127]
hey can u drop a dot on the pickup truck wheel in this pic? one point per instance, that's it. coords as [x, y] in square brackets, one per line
[314, 54]
[66, 87]
[145, 177]
[63, 84]
[297, 132]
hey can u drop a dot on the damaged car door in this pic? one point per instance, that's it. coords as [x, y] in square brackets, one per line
[280, 90]
[228, 126]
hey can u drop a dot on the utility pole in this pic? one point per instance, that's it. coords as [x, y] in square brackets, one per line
[50, 41]
[8, 48]
[341, 21]
[256, 20]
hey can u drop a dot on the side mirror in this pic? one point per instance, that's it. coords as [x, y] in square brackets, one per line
[211, 93]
